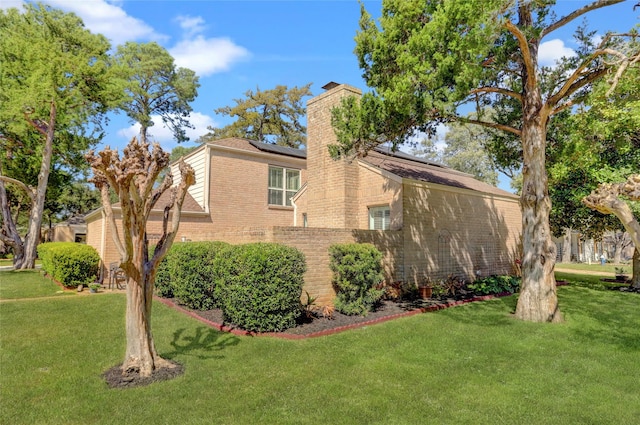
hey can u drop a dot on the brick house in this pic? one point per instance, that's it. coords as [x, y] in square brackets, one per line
[427, 219]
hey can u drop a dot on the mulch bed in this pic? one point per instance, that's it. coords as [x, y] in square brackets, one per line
[115, 378]
[338, 322]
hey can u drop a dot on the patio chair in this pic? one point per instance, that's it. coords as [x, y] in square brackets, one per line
[117, 277]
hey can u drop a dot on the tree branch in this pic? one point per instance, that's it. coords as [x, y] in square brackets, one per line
[502, 127]
[28, 189]
[578, 80]
[576, 14]
[526, 53]
[505, 92]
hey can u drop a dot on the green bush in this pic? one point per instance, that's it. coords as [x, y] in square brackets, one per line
[495, 285]
[259, 285]
[357, 271]
[69, 263]
[186, 273]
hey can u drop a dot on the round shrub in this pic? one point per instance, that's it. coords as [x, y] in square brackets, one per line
[69, 263]
[259, 285]
[186, 273]
[357, 271]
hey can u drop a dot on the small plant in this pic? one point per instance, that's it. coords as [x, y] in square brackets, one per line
[620, 271]
[93, 287]
[309, 305]
[449, 286]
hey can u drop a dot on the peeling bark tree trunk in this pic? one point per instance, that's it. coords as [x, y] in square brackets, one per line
[538, 300]
[606, 199]
[133, 178]
[635, 277]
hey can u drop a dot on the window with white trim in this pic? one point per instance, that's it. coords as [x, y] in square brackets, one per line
[283, 184]
[379, 218]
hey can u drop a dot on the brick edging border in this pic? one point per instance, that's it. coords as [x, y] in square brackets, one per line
[283, 335]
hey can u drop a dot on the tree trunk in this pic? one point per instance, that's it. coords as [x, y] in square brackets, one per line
[32, 238]
[635, 278]
[10, 235]
[538, 301]
[141, 356]
[566, 246]
[618, 238]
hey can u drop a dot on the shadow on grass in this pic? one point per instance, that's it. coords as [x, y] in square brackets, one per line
[203, 344]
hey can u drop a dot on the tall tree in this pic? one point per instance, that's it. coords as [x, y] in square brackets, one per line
[609, 198]
[133, 178]
[428, 57]
[464, 150]
[152, 85]
[270, 116]
[52, 85]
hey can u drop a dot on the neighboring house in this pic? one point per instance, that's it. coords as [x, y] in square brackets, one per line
[428, 220]
[72, 230]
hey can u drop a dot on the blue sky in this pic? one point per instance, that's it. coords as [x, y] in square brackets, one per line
[240, 45]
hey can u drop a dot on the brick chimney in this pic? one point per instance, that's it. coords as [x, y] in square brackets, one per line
[332, 185]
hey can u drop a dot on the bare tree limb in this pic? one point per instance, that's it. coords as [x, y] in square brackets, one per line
[526, 53]
[502, 127]
[28, 189]
[576, 14]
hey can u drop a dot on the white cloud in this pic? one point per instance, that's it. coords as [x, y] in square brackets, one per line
[161, 134]
[191, 25]
[552, 50]
[109, 19]
[207, 56]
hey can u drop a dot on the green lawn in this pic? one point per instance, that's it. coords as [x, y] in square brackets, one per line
[27, 284]
[472, 364]
[594, 267]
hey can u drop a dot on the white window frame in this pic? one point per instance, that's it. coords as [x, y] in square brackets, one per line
[383, 215]
[286, 200]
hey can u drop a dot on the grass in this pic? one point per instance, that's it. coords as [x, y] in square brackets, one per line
[9, 262]
[594, 267]
[469, 364]
[27, 284]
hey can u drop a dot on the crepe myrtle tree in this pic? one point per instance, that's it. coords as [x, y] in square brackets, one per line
[424, 59]
[609, 198]
[132, 178]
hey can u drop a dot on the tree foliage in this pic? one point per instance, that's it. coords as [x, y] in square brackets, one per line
[152, 85]
[270, 116]
[426, 58]
[53, 91]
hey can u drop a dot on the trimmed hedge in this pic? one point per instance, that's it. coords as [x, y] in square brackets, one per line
[186, 273]
[69, 263]
[259, 285]
[357, 271]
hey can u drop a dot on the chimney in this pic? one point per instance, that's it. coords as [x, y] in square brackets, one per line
[332, 185]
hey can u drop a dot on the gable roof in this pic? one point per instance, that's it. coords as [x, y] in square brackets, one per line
[399, 163]
[253, 146]
[409, 167]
